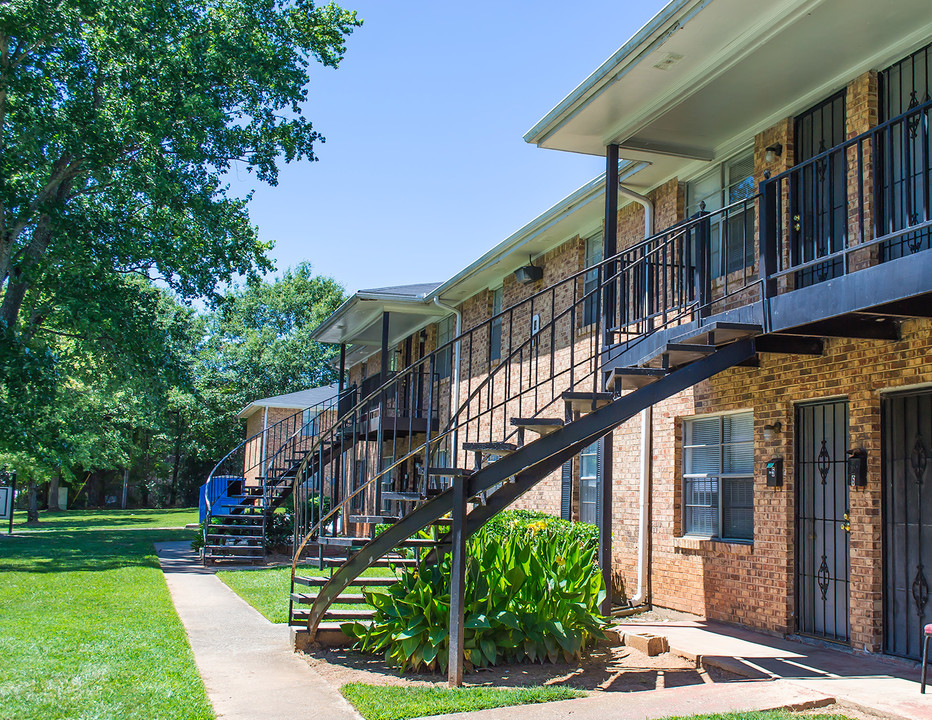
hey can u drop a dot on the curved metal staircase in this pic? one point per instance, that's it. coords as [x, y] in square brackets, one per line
[559, 377]
[255, 478]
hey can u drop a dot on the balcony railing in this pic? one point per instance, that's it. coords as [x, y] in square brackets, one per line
[860, 203]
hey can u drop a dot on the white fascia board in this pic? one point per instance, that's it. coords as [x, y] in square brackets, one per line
[672, 17]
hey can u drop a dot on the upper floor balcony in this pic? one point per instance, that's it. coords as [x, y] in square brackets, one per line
[837, 245]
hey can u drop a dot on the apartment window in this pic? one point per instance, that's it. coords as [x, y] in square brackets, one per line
[732, 234]
[310, 424]
[589, 484]
[444, 362]
[591, 279]
[495, 329]
[718, 476]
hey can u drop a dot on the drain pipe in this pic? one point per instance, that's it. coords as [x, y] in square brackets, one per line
[640, 594]
[454, 405]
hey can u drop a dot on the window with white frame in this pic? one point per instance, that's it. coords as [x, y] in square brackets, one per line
[591, 279]
[589, 484]
[718, 476]
[495, 329]
[444, 362]
[732, 235]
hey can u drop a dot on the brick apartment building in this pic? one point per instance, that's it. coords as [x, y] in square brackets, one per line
[778, 156]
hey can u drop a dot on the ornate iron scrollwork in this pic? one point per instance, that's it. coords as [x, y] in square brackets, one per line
[824, 462]
[918, 459]
[823, 578]
[920, 591]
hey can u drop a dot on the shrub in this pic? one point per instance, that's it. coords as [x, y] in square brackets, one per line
[538, 525]
[279, 527]
[530, 594]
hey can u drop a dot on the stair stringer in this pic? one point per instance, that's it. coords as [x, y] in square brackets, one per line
[528, 466]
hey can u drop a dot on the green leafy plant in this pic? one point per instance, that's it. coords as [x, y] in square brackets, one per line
[529, 595]
[279, 528]
[538, 526]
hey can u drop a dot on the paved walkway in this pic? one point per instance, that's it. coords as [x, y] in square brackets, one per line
[681, 701]
[887, 686]
[247, 663]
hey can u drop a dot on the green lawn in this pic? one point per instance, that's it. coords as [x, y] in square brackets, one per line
[77, 519]
[88, 629]
[388, 702]
[267, 589]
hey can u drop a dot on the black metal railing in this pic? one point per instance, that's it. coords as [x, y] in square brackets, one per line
[862, 202]
[258, 472]
[516, 364]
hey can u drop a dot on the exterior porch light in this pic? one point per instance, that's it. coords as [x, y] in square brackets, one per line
[772, 152]
[529, 273]
[770, 431]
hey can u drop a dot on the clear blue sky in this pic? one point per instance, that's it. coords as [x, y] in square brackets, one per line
[424, 167]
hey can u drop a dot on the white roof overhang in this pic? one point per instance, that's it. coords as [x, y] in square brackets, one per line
[704, 76]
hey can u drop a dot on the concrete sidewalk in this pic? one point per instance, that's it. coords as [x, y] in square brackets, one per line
[247, 663]
[885, 686]
[680, 701]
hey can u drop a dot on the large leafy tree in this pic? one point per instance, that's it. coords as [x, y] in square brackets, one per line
[118, 122]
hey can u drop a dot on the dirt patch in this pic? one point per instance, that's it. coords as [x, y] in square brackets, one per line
[606, 668]
[660, 615]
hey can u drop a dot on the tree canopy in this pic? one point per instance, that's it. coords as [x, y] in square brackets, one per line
[118, 123]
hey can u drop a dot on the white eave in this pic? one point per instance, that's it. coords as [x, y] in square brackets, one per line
[703, 76]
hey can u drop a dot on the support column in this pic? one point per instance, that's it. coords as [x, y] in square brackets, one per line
[609, 248]
[383, 378]
[457, 583]
[605, 521]
[341, 382]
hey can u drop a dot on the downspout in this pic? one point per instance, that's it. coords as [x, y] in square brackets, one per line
[455, 403]
[640, 594]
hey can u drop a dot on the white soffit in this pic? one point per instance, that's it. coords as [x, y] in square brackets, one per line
[730, 70]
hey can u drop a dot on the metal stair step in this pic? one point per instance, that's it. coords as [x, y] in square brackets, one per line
[228, 526]
[221, 536]
[542, 426]
[309, 598]
[235, 550]
[374, 519]
[348, 614]
[449, 472]
[490, 448]
[381, 562]
[404, 496]
[357, 542]
[672, 355]
[584, 402]
[633, 378]
[718, 333]
[321, 580]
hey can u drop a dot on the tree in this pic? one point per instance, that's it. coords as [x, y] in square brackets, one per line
[119, 120]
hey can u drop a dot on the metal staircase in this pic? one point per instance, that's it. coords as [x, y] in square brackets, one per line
[255, 478]
[558, 379]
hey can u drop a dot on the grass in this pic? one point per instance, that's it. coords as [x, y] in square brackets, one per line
[267, 589]
[78, 519]
[88, 629]
[387, 702]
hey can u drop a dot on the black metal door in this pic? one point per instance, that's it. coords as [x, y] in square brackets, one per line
[820, 191]
[904, 156]
[822, 561]
[907, 437]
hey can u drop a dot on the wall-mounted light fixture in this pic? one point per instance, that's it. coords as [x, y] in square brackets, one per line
[772, 152]
[529, 273]
[771, 431]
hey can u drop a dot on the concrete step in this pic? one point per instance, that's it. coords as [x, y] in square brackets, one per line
[490, 448]
[584, 402]
[541, 426]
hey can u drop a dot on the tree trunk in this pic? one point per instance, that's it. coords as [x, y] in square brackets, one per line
[32, 513]
[53, 493]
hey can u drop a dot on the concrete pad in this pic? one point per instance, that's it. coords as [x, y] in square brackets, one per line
[689, 700]
[247, 663]
[884, 685]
